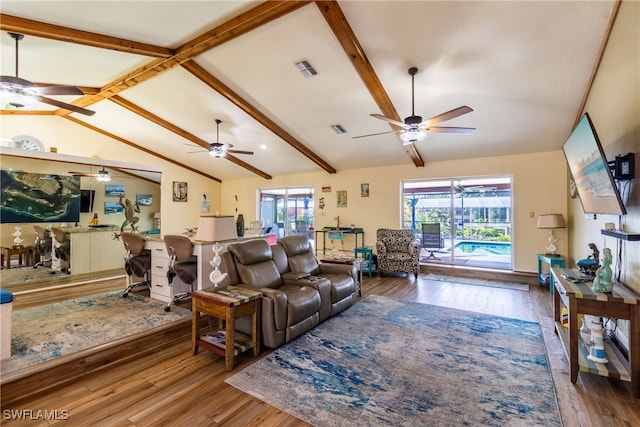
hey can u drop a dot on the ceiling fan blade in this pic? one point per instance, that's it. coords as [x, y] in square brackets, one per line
[374, 134]
[58, 90]
[452, 114]
[239, 152]
[445, 129]
[64, 105]
[81, 173]
[387, 119]
[16, 81]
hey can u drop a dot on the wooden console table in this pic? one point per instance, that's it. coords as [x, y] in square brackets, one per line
[621, 303]
[227, 306]
[355, 231]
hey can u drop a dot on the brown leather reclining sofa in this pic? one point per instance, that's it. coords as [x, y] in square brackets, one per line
[297, 292]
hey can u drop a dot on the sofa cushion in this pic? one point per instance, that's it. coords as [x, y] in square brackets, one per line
[251, 252]
[303, 302]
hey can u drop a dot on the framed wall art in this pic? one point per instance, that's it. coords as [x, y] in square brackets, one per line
[179, 191]
[112, 208]
[364, 189]
[113, 190]
[342, 198]
[144, 199]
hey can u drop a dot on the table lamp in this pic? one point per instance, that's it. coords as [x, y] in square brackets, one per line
[551, 221]
[216, 229]
[156, 220]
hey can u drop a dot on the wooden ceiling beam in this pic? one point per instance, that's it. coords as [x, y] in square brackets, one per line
[136, 109]
[30, 27]
[237, 100]
[138, 147]
[349, 42]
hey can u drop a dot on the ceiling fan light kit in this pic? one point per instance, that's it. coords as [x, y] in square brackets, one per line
[412, 135]
[17, 97]
[103, 176]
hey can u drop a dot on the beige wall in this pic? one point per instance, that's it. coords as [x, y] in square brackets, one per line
[535, 189]
[614, 107]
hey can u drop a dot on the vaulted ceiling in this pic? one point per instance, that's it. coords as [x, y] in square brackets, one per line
[158, 74]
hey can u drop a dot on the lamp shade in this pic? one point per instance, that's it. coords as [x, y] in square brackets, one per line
[551, 221]
[216, 228]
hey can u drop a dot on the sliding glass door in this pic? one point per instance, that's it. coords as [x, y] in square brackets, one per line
[471, 215]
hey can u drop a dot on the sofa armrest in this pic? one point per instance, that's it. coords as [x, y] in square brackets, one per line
[295, 275]
[279, 302]
[381, 248]
[414, 248]
[329, 268]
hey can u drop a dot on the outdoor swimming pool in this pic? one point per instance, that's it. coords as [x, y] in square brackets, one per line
[483, 247]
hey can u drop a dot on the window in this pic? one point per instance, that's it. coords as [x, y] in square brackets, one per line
[474, 216]
[287, 211]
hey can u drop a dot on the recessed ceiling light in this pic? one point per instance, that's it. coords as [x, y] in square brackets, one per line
[338, 129]
[263, 146]
[306, 68]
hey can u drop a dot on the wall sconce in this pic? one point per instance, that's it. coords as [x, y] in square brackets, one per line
[551, 221]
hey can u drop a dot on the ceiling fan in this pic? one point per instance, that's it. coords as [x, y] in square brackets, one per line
[21, 93]
[414, 129]
[103, 175]
[218, 149]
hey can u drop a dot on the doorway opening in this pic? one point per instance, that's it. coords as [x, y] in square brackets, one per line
[471, 215]
[287, 211]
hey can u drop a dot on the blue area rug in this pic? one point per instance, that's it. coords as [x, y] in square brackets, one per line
[51, 331]
[386, 362]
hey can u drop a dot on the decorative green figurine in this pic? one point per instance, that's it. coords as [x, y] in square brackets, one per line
[602, 281]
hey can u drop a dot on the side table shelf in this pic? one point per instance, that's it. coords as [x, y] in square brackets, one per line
[617, 366]
[580, 299]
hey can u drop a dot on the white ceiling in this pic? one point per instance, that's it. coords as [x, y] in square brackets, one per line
[524, 68]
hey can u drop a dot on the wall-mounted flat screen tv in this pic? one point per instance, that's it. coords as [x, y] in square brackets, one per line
[590, 171]
[27, 197]
[86, 200]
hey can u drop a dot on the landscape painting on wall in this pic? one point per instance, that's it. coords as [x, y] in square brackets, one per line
[27, 197]
[112, 208]
[113, 190]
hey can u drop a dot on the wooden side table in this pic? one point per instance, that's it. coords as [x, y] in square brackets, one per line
[579, 298]
[554, 261]
[227, 306]
[22, 252]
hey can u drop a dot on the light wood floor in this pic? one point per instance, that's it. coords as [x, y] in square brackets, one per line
[174, 388]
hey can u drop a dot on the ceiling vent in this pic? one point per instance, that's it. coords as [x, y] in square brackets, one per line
[338, 129]
[306, 68]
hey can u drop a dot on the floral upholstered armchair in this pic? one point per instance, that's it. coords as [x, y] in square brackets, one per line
[397, 251]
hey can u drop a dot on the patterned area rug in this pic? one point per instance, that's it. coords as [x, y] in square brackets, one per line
[478, 282]
[50, 331]
[391, 362]
[15, 276]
